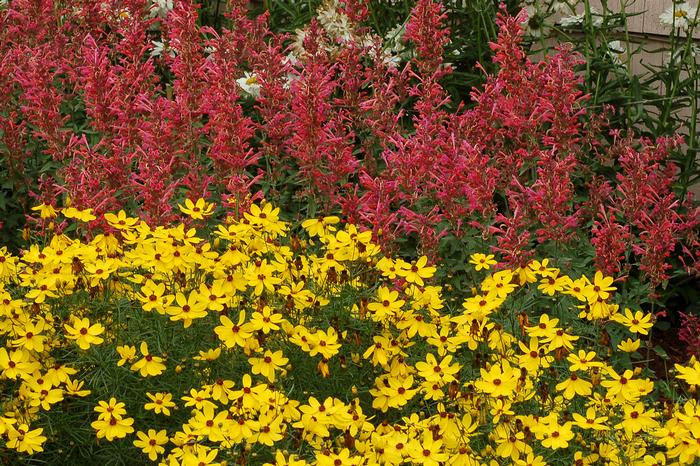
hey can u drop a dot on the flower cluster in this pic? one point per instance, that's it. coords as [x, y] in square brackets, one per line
[261, 337]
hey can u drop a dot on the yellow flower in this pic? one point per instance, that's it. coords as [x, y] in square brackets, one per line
[482, 261]
[30, 337]
[500, 380]
[268, 364]
[637, 322]
[233, 334]
[24, 440]
[629, 345]
[320, 226]
[149, 364]
[110, 409]
[531, 460]
[416, 272]
[197, 210]
[113, 428]
[75, 387]
[690, 374]
[80, 215]
[187, 308]
[45, 211]
[151, 443]
[553, 283]
[265, 320]
[638, 419]
[387, 304]
[599, 289]
[127, 353]
[583, 361]
[83, 333]
[121, 221]
[574, 385]
[432, 371]
[160, 403]
[428, 452]
[15, 364]
[591, 420]
[499, 283]
[557, 436]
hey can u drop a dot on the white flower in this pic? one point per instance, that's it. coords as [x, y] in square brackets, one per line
[679, 15]
[616, 51]
[249, 84]
[161, 8]
[579, 19]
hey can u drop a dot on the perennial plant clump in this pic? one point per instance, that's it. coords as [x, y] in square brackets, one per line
[255, 341]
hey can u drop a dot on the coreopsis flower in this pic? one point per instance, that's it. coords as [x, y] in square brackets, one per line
[691, 374]
[320, 226]
[387, 304]
[324, 343]
[45, 211]
[266, 320]
[120, 221]
[113, 428]
[80, 215]
[416, 272]
[24, 440]
[534, 356]
[153, 297]
[637, 418]
[208, 355]
[187, 308]
[432, 371]
[591, 420]
[679, 15]
[544, 328]
[234, 334]
[271, 429]
[126, 353]
[160, 403]
[600, 288]
[622, 386]
[553, 284]
[583, 361]
[199, 399]
[575, 385]
[151, 443]
[482, 261]
[75, 388]
[499, 283]
[29, 336]
[557, 436]
[83, 333]
[149, 365]
[268, 364]
[629, 345]
[499, 380]
[530, 460]
[427, 452]
[638, 322]
[197, 210]
[17, 363]
[41, 393]
[282, 460]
